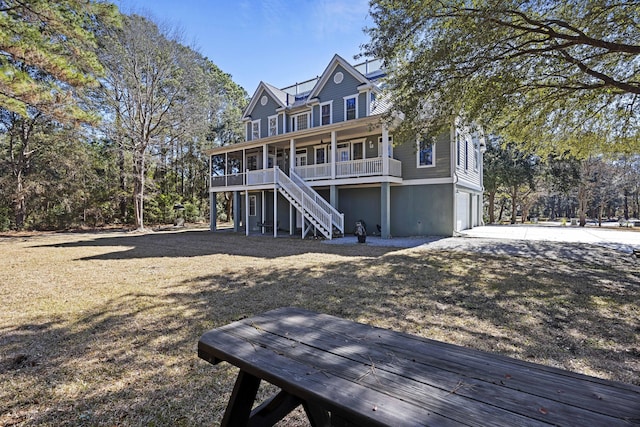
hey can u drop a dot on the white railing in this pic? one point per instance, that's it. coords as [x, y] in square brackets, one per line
[363, 167]
[260, 176]
[307, 203]
[311, 172]
[337, 218]
[395, 168]
[227, 180]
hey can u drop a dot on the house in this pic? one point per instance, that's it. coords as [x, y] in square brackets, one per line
[318, 157]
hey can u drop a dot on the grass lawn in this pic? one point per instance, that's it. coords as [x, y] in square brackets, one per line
[102, 328]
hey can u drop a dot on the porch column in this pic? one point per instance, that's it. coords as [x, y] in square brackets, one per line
[385, 150]
[236, 210]
[275, 212]
[263, 210]
[213, 212]
[385, 210]
[265, 157]
[334, 148]
[333, 196]
[246, 212]
[292, 219]
[292, 154]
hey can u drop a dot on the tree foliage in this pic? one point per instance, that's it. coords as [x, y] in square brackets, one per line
[548, 74]
[47, 52]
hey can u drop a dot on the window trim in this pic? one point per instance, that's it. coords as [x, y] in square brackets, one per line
[253, 201]
[317, 148]
[330, 104]
[275, 117]
[295, 121]
[390, 137]
[346, 98]
[301, 153]
[433, 154]
[255, 122]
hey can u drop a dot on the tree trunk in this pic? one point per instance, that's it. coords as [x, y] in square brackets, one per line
[514, 205]
[138, 189]
[492, 206]
[502, 203]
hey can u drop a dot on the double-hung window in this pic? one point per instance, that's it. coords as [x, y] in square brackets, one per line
[350, 107]
[300, 122]
[325, 113]
[273, 125]
[426, 153]
[255, 130]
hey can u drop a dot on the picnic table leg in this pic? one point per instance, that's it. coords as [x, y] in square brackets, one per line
[318, 417]
[244, 393]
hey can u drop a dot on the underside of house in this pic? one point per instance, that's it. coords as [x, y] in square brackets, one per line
[318, 158]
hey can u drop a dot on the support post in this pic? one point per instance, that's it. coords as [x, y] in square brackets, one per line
[385, 210]
[237, 200]
[275, 211]
[334, 148]
[333, 196]
[213, 212]
[385, 150]
[246, 212]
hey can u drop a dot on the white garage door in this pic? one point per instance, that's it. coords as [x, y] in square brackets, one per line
[462, 211]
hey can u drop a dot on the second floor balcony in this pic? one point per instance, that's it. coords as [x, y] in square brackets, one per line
[317, 173]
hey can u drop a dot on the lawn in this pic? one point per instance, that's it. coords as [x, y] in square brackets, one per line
[102, 328]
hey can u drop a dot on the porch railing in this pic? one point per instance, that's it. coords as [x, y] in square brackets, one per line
[337, 218]
[351, 168]
[308, 205]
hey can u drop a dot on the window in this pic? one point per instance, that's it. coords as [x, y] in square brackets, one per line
[300, 122]
[255, 129]
[301, 157]
[358, 152]
[321, 154]
[350, 107]
[466, 154]
[426, 153]
[252, 205]
[343, 152]
[325, 113]
[252, 162]
[273, 125]
[476, 153]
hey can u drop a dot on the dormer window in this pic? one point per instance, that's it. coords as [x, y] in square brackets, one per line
[255, 129]
[325, 113]
[273, 125]
[300, 122]
[350, 107]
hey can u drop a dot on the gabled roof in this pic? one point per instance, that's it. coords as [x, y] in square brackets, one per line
[279, 96]
[335, 61]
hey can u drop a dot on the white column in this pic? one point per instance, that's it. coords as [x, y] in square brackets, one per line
[275, 212]
[265, 156]
[385, 150]
[334, 148]
[263, 214]
[246, 211]
[292, 154]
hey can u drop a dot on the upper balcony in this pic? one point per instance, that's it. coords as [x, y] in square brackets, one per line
[322, 173]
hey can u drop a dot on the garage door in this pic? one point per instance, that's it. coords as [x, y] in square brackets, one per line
[462, 211]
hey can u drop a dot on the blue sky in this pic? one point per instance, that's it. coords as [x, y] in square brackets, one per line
[280, 42]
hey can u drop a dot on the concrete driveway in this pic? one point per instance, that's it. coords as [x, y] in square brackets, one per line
[615, 238]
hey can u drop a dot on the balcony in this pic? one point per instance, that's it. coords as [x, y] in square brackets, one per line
[347, 169]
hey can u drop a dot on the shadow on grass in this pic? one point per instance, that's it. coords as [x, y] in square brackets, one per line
[132, 360]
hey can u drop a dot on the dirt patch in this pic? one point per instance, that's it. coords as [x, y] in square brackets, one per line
[101, 328]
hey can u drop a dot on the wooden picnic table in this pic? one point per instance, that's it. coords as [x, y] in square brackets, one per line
[347, 373]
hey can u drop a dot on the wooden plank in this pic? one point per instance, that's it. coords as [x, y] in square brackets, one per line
[317, 387]
[322, 358]
[435, 392]
[415, 357]
[273, 410]
[618, 398]
[239, 408]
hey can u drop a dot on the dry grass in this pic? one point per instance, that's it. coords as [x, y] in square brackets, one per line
[101, 328]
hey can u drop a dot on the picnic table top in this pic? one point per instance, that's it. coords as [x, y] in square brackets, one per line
[374, 376]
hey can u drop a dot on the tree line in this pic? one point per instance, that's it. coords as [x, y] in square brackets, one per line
[104, 118]
[525, 186]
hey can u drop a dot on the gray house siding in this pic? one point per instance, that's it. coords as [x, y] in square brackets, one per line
[337, 92]
[359, 204]
[422, 210]
[406, 153]
[263, 112]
